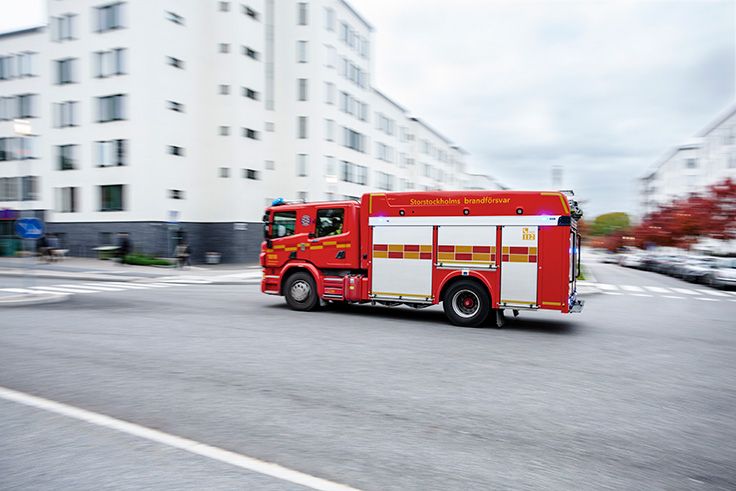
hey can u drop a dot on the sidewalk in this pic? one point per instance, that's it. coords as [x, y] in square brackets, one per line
[99, 270]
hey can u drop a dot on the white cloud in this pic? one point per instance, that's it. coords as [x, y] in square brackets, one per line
[602, 88]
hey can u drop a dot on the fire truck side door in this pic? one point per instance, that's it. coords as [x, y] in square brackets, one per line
[402, 262]
[519, 249]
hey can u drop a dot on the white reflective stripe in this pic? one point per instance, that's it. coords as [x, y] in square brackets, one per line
[713, 292]
[685, 291]
[530, 220]
[631, 288]
[62, 290]
[657, 289]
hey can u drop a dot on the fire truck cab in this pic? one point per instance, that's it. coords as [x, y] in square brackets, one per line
[477, 252]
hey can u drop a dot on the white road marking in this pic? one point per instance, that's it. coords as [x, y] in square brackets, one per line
[127, 285]
[613, 293]
[158, 285]
[17, 290]
[673, 296]
[604, 286]
[105, 288]
[62, 290]
[707, 299]
[640, 294]
[657, 289]
[631, 288]
[732, 293]
[713, 292]
[685, 291]
[191, 446]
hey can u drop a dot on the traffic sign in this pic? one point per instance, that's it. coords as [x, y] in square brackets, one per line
[29, 228]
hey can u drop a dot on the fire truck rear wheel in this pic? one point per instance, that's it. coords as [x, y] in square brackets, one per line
[466, 304]
[301, 292]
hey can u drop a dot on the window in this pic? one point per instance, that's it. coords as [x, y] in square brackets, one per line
[301, 13]
[691, 163]
[6, 68]
[26, 105]
[66, 157]
[65, 114]
[301, 89]
[224, 172]
[110, 108]
[175, 18]
[224, 130]
[109, 63]
[330, 221]
[250, 93]
[250, 174]
[111, 198]
[301, 165]
[302, 127]
[385, 124]
[110, 153]
[249, 52]
[354, 173]
[301, 51]
[384, 181]
[224, 48]
[175, 62]
[109, 17]
[330, 171]
[249, 133]
[9, 189]
[26, 64]
[176, 194]
[270, 127]
[224, 89]
[62, 28]
[67, 200]
[384, 152]
[353, 139]
[329, 130]
[329, 93]
[330, 56]
[329, 19]
[224, 6]
[302, 196]
[64, 71]
[284, 223]
[175, 106]
[29, 188]
[270, 165]
[344, 31]
[250, 12]
[175, 150]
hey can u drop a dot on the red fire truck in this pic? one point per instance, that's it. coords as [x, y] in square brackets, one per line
[477, 252]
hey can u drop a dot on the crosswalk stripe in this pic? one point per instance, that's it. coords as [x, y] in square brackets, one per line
[159, 285]
[707, 299]
[613, 293]
[685, 291]
[673, 296]
[732, 293]
[62, 290]
[631, 288]
[713, 292]
[640, 294]
[104, 288]
[127, 285]
[604, 286]
[657, 289]
[16, 290]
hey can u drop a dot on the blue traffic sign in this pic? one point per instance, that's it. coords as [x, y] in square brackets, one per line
[29, 228]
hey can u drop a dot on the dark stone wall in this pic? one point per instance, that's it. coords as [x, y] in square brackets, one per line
[158, 238]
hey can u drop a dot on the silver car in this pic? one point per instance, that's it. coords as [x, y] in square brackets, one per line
[723, 273]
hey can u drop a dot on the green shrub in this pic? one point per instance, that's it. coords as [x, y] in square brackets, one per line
[146, 260]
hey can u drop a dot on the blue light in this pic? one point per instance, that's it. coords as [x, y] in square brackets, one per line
[277, 202]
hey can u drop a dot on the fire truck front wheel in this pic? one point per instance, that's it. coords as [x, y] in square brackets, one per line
[466, 303]
[301, 291]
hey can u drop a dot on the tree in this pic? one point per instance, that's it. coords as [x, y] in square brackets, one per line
[608, 223]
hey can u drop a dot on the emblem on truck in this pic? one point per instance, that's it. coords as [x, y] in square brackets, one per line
[306, 220]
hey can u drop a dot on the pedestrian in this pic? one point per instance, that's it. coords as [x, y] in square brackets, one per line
[52, 246]
[42, 247]
[125, 247]
[183, 255]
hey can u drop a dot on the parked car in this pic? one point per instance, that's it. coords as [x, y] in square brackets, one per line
[631, 260]
[610, 258]
[722, 273]
[695, 268]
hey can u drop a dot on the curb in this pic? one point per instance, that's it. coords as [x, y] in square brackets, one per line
[26, 299]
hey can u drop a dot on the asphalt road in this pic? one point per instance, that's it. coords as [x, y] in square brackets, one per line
[634, 393]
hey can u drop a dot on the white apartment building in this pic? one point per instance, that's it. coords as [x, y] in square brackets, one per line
[690, 168]
[161, 116]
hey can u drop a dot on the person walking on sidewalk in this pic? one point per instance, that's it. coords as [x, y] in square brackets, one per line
[183, 255]
[125, 247]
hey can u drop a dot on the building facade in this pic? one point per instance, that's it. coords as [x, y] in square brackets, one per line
[692, 167]
[163, 118]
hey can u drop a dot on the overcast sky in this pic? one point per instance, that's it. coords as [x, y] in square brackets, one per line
[601, 88]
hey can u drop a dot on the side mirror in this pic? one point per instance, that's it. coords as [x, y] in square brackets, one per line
[311, 235]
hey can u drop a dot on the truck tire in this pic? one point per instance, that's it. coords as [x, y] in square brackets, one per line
[301, 291]
[466, 304]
